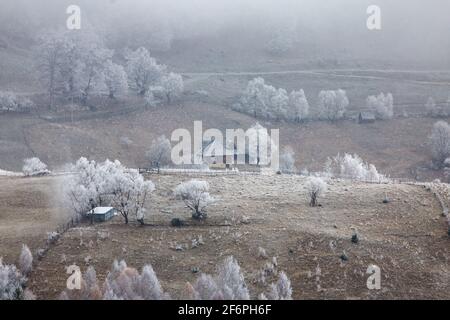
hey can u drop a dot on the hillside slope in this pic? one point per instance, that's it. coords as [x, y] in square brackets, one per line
[406, 237]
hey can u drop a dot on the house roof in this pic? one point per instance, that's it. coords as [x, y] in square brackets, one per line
[367, 115]
[101, 210]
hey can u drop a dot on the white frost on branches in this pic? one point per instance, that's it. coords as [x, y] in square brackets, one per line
[332, 105]
[227, 284]
[108, 184]
[34, 167]
[353, 167]
[195, 195]
[316, 187]
[382, 105]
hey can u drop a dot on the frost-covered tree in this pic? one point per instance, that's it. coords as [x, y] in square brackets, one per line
[281, 290]
[262, 100]
[195, 195]
[382, 105]
[353, 167]
[50, 59]
[172, 85]
[332, 105]
[431, 108]
[159, 154]
[12, 282]
[90, 288]
[227, 284]
[231, 280]
[34, 167]
[125, 283]
[90, 76]
[130, 193]
[280, 43]
[73, 64]
[25, 260]
[116, 80]
[287, 160]
[316, 187]
[108, 183]
[298, 109]
[440, 142]
[143, 70]
[150, 97]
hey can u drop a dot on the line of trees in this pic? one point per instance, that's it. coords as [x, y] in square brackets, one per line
[265, 101]
[112, 184]
[78, 65]
[127, 283]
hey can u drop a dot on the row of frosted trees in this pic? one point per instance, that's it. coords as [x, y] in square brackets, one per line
[265, 101]
[78, 65]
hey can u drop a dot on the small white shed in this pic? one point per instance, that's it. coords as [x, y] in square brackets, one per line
[102, 214]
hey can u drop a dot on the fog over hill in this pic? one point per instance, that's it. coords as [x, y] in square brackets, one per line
[412, 32]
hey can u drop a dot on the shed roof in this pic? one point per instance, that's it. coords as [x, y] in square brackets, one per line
[101, 210]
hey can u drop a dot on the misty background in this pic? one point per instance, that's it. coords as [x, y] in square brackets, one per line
[414, 33]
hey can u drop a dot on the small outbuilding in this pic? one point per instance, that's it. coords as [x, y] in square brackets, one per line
[366, 117]
[101, 214]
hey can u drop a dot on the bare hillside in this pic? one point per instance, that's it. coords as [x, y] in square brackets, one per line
[406, 238]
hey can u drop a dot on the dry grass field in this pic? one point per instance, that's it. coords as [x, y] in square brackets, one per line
[406, 238]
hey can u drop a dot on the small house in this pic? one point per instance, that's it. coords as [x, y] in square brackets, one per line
[101, 214]
[366, 117]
